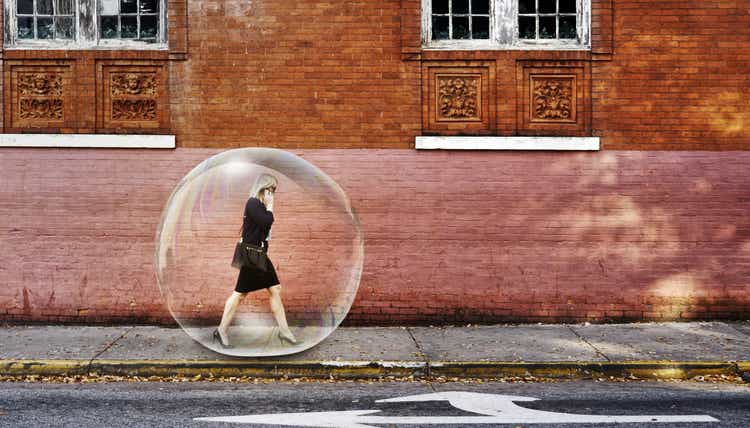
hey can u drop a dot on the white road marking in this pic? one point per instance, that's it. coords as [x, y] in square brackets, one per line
[494, 408]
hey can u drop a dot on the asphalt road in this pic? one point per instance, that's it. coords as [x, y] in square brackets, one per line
[149, 404]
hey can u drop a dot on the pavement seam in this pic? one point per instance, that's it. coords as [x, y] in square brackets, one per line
[91, 361]
[598, 352]
[421, 353]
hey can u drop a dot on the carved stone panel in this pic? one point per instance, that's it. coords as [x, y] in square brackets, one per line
[458, 97]
[132, 96]
[39, 96]
[553, 98]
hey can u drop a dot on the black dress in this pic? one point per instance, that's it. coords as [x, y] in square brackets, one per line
[255, 227]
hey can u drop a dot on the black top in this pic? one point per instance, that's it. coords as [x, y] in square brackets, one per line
[257, 222]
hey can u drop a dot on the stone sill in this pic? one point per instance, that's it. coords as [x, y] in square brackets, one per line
[131, 141]
[508, 143]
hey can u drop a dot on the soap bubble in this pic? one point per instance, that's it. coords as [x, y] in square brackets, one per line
[316, 246]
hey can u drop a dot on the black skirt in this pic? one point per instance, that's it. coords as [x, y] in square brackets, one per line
[251, 279]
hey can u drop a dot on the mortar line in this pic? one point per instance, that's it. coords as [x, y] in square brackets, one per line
[91, 361]
[598, 352]
[424, 358]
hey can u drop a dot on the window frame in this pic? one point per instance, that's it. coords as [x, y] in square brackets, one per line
[504, 31]
[86, 35]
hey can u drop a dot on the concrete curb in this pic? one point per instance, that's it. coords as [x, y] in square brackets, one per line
[375, 369]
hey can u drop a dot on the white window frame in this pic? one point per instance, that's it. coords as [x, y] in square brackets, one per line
[504, 30]
[86, 33]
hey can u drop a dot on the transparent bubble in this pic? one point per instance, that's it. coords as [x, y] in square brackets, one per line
[316, 246]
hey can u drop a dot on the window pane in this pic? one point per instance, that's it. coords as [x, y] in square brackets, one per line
[568, 27]
[480, 7]
[567, 6]
[527, 6]
[480, 27]
[128, 6]
[148, 27]
[44, 28]
[64, 7]
[109, 7]
[108, 27]
[440, 6]
[440, 28]
[547, 27]
[25, 27]
[460, 6]
[461, 28]
[129, 27]
[64, 27]
[44, 7]
[547, 6]
[149, 6]
[527, 27]
[25, 7]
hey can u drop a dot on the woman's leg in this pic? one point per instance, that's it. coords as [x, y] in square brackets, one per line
[230, 307]
[277, 307]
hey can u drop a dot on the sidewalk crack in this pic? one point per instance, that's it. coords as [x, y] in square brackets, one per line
[421, 354]
[106, 348]
[598, 352]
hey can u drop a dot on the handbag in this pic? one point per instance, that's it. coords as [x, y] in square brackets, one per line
[249, 255]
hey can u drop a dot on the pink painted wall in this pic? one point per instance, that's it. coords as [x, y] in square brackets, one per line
[449, 236]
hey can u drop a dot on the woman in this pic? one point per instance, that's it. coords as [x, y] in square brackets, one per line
[256, 229]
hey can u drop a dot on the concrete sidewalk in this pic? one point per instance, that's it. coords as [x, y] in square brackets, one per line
[643, 350]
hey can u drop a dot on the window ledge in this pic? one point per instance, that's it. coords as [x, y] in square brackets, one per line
[132, 141]
[507, 143]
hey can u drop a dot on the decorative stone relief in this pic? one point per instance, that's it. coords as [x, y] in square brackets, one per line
[552, 98]
[40, 96]
[458, 97]
[133, 96]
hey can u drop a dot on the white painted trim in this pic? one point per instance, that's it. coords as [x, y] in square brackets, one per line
[130, 141]
[507, 143]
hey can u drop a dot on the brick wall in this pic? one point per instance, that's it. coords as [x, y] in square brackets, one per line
[311, 74]
[449, 236]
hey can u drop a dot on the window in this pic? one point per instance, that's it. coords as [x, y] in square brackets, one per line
[85, 24]
[506, 24]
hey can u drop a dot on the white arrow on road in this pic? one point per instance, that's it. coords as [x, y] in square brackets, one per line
[496, 409]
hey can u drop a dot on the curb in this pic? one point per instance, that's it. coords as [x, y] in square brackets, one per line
[664, 370]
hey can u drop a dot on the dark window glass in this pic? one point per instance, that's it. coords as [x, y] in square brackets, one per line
[25, 7]
[547, 6]
[25, 27]
[547, 27]
[108, 27]
[460, 6]
[439, 6]
[567, 6]
[129, 27]
[149, 6]
[527, 6]
[44, 28]
[480, 7]
[128, 6]
[527, 27]
[44, 7]
[64, 27]
[568, 27]
[440, 29]
[148, 27]
[480, 27]
[461, 28]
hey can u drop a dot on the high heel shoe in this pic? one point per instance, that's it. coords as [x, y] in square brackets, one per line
[217, 338]
[290, 339]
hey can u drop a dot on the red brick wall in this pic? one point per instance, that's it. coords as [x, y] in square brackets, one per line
[311, 74]
[449, 236]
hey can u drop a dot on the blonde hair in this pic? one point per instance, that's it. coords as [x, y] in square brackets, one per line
[264, 181]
